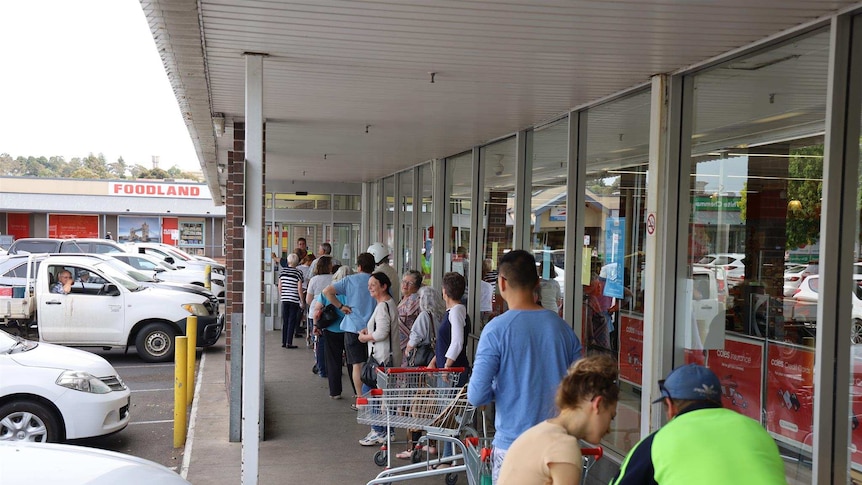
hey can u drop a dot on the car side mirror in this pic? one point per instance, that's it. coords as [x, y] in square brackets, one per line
[169, 260]
[110, 289]
[160, 270]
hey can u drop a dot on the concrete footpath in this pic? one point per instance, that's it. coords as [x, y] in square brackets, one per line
[308, 437]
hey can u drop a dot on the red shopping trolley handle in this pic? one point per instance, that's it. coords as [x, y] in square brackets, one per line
[405, 370]
[596, 452]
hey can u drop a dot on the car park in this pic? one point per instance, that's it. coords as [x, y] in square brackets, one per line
[43, 463]
[34, 245]
[794, 273]
[181, 260]
[162, 271]
[50, 393]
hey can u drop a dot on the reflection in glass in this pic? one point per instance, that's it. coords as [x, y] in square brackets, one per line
[548, 209]
[406, 208]
[751, 287]
[389, 212]
[498, 199]
[426, 220]
[613, 250]
[459, 189]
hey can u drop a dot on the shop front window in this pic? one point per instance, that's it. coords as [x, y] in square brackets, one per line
[406, 208]
[613, 250]
[749, 310]
[459, 190]
[426, 221]
[548, 197]
[497, 223]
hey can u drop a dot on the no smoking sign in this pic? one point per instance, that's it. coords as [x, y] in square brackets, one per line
[650, 224]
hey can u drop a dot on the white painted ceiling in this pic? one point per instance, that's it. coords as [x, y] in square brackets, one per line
[335, 67]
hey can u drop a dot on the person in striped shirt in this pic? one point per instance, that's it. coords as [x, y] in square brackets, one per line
[290, 292]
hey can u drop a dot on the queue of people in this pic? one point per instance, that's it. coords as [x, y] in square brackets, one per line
[529, 363]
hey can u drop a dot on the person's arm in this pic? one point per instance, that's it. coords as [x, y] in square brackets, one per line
[564, 472]
[309, 296]
[458, 321]
[332, 291]
[300, 293]
[480, 391]
[419, 331]
[382, 323]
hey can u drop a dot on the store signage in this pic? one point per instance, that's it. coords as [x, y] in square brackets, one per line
[739, 367]
[145, 189]
[790, 393]
[631, 333]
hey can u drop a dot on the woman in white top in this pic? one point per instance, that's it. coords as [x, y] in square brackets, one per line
[322, 277]
[380, 339]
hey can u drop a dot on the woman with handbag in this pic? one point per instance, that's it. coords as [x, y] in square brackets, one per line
[408, 307]
[380, 336]
[322, 277]
[333, 335]
[421, 344]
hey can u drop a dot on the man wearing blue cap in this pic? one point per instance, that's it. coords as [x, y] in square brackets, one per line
[702, 443]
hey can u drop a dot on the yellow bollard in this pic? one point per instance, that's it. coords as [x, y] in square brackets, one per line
[208, 277]
[180, 406]
[192, 336]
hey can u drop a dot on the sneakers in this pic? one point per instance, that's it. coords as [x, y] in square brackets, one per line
[372, 438]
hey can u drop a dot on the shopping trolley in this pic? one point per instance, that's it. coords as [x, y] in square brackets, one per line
[424, 399]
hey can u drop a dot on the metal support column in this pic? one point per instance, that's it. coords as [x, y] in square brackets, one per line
[252, 358]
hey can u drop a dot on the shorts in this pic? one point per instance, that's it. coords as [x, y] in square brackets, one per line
[357, 352]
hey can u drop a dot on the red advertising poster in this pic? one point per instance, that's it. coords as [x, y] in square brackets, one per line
[66, 226]
[856, 408]
[739, 367]
[170, 230]
[18, 224]
[693, 356]
[789, 392]
[631, 349]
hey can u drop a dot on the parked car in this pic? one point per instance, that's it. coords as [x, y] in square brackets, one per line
[51, 393]
[35, 245]
[44, 463]
[161, 270]
[794, 273]
[731, 263]
[181, 260]
[807, 297]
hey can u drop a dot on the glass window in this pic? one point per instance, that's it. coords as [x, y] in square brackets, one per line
[613, 250]
[406, 207]
[756, 185]
[498, 220]
[855, 448]
[459, 189]
[346, 202]
[548, 209]
[389, 211]
[294, 201]
[426, 220]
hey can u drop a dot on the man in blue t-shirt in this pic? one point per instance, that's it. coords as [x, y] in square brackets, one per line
[522, 356]
[357, 311]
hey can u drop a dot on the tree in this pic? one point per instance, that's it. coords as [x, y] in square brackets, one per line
[805, 185]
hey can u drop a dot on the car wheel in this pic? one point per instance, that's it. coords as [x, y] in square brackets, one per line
[155, 342]
[28, 421]
[856, 332]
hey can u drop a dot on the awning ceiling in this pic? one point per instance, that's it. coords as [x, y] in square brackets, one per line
[335, 67]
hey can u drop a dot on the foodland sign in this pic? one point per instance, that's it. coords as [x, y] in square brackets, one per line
[144, 189]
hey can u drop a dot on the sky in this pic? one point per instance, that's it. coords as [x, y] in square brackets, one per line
[84, 76]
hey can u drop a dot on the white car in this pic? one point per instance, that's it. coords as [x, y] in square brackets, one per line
[182, 260]
[794, 273]
[45, 463]
[51, 393]
[731, 263]
[163, 271]
[807, 298]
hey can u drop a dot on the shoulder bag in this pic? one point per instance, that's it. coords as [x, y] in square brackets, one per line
[422, 354]
[328, 316]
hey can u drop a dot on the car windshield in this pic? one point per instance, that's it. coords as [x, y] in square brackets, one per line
[120, 276]
[706, 259]
[128, 270]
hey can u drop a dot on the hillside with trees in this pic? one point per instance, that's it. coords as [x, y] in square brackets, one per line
[89, 167]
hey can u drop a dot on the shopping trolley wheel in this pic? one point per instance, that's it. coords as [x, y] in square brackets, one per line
[451, 478]
[380, 458]
[416, 456]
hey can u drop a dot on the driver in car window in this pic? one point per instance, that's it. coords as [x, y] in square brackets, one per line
[64, 283]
